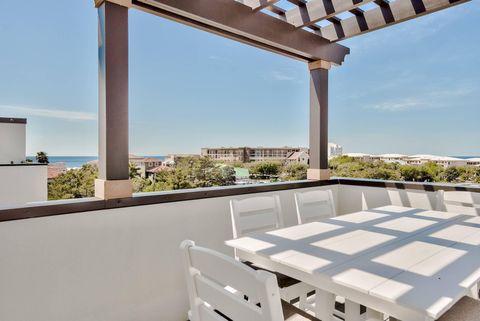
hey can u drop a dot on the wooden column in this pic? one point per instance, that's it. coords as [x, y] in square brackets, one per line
[113, 177]
[319, 121]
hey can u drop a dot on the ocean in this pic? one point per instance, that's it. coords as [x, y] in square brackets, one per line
[78, 161]
[465, 157]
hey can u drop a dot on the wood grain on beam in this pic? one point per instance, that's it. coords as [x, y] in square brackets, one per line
[258, 4]
[317, 10]
[236, 21]
[385, 15]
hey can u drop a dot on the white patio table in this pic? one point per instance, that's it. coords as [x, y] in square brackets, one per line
[411, 264]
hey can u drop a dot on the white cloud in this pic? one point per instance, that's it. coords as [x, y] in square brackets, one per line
[278, 75]
[432, 99]
[48, 113]
[401, 105]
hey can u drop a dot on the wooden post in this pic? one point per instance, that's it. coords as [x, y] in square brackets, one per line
[319, 121]
[113, 177]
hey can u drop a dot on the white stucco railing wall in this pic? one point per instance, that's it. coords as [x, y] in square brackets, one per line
[124, 264]
[356, 198]
[110, 265]
[23, 183]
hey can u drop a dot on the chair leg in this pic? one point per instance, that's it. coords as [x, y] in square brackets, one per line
[352, 311]
[324, 305]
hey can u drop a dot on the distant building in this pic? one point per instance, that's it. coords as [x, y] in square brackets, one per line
[334, 150]
[391, 158]
[173, 158]
[300, 157]
[249, 154]
[144, 164]
[473, 161]
[56, 169]
[261, 154]
[359, 156]
[419, 159]
[450, 161]
[19, 181]
[444, 161]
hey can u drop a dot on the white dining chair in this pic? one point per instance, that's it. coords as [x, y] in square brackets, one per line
[255, 214]
[218, 287]
[458, 201]
[314, 206]
[262, 214]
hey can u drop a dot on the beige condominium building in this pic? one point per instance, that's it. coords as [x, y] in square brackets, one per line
[250, 154]
[260, 154]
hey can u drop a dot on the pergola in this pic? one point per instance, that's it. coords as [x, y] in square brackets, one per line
[308, 30]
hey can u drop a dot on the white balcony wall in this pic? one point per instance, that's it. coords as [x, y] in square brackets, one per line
[110, 265]
[12, 143]
[23, 183]
[356, 198]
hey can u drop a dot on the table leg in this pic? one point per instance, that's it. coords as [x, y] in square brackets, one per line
[373, 315]
[352, 311]
[474, 292]
[324, 305]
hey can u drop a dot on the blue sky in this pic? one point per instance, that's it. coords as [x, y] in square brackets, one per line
[411, 88]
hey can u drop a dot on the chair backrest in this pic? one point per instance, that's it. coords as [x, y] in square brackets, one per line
[458, 201]
[255, 214]
[212, 278]
[314, 206]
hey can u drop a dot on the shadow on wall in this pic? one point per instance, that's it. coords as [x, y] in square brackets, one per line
[356, 198]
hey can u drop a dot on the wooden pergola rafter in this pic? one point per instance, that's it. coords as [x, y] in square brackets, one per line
[383, 14]
[308, 31]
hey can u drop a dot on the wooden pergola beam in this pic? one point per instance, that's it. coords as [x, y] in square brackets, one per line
[235, 20]
[317, 10]
[387, 14]
[257, 5]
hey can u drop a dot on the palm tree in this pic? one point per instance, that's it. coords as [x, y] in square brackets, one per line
[133, 170]
[42, 158]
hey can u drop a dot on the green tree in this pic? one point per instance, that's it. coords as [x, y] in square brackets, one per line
[452, 174]
[42, 158]
[477, 175]
[133, 170]
[74, 183]
[190, 172]
[140, 184]
[424, 173]
[432, 170]
[266, 169]
[295, 172]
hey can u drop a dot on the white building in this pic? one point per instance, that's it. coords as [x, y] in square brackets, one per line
[391, 158]
[359, 156]
[20, 181]
[300, 157]
[446, 161]
[419, 159]
[334, 150]
[473, 161]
